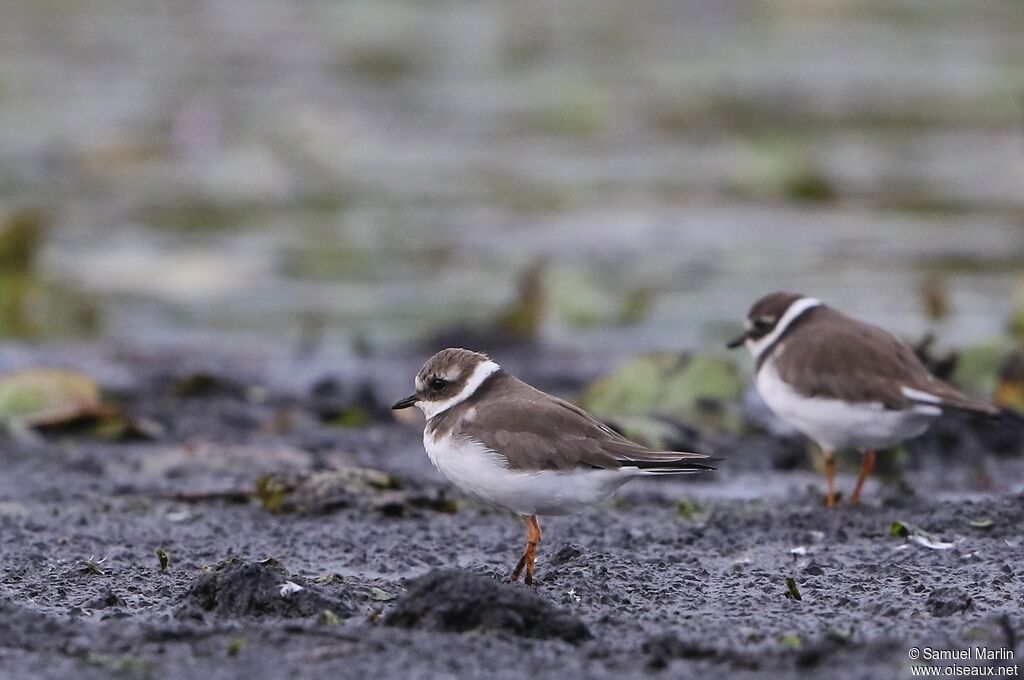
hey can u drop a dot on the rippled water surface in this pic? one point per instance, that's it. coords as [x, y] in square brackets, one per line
[368, 172]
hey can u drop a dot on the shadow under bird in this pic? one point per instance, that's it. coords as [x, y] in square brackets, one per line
[842, 382]
[508, 444]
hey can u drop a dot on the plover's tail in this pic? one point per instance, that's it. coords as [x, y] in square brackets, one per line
[668, 462]
[1010, 415]
[943, 396]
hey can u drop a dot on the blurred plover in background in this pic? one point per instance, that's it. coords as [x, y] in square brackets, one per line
[842, 382]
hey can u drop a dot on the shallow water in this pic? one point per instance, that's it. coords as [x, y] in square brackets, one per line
[364, 172]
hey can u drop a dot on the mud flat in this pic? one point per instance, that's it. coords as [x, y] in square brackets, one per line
[306, 535]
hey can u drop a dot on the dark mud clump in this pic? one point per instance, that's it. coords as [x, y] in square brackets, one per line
[454, 601]
[265, 588]
[662, 649]
[674, 577]
[948, 601]
[23, 628]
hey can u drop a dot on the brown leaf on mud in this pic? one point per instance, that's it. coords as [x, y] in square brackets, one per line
[351, 486]
[321, 491]
[45, 396]
[206, 458]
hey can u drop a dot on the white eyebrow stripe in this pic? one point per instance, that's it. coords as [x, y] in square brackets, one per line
[482, 371]
[757, 347]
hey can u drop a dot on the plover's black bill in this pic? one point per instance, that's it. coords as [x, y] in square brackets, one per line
[405, 403]
[737, 341]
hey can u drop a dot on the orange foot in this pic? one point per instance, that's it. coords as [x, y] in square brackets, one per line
[528, 560]
[830, 476]
[865, 470]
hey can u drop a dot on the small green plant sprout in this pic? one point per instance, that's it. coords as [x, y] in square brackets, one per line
[93, 566]
[235, 646]
[328, 618]
[165, 561]
[791, 640]
[792, 591]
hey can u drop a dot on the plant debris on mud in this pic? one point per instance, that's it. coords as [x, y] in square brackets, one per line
[154, 557]
[259, 589]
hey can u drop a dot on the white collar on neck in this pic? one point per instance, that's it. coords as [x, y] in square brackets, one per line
[757, 346]
[482, 371]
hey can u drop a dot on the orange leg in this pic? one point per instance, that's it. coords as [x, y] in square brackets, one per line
[529, 557]
[865, 470]
[830, 476]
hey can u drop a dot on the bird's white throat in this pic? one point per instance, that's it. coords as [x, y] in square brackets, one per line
[482, 371]
[758, 345]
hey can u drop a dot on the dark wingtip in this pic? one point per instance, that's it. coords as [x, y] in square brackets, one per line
[710, 464]
[701, 464]
[1006, 414]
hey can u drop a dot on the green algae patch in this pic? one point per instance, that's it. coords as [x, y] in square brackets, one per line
[654, 431]
[44, 396]
[978, 368]
[691, 387]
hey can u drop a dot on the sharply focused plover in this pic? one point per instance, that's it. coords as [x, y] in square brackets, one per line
[508, 444]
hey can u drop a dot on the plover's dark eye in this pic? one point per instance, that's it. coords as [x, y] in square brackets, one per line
[762, 324]
[438, 384]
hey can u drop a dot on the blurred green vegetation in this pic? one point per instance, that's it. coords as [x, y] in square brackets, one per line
[31, 307]
[389, 168]
[687, 388]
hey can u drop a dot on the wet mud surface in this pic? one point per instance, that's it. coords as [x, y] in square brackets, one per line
[283, 560]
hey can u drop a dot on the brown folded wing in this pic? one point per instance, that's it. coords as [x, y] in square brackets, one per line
[536, 431]
[842, 358]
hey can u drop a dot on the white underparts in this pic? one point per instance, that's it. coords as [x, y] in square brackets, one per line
[835, 423]
[484, 475]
